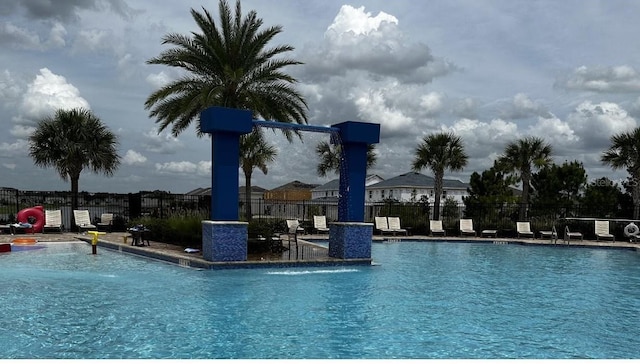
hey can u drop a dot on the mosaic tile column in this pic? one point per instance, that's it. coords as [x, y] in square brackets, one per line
[224, 241]
[350, 240]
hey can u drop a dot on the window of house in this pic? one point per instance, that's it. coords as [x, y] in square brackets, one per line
[444, 193]
[390, 193]
[370, 195]
[382, 193]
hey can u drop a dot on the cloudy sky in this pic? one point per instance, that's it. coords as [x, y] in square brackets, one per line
[489, 71]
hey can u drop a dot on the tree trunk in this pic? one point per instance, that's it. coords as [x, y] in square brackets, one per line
[74, 197]
[635, 196]
[247, 195]
[438, 193]
[524, 202]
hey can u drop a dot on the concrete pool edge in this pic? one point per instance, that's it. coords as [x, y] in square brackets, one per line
[200, 263]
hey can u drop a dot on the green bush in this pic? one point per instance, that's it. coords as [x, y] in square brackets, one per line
[183, 229]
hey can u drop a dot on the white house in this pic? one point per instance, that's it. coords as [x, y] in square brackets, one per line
[411, 186]
[406, 187]
[329, 190]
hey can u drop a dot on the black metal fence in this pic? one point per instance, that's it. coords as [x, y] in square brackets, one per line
[416, 216]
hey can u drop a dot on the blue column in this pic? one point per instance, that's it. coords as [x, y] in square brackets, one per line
[224, 238]
[354, 136]
[225, 126]
[350, 237]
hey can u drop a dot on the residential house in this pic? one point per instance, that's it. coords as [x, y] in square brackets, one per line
[412, 186]
[292, 191]
[330, 190]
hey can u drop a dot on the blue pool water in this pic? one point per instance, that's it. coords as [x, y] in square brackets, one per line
[422, 300]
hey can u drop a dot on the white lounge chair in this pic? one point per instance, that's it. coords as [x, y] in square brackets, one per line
[320, 224]
[523, 230]
[602, 230]
[466, 227]
[394, 225]
[83, 220]
[293, 227]
[382, 225]
[52, 220]
[551, 234]
[106, 222]
[435, 226]
[568, 235]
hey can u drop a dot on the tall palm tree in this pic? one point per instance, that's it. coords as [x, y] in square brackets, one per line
[520, 158]
[227, 64]
[330, 157]
[440, 152]
[71, 141]
[624, 152]
[255, 152]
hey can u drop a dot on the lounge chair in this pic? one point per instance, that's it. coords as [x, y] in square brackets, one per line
[523, 230]
[551, 234]
[382, 225]
[52, 220]
[83, 220]
[293, 227]
[602, 230]
[466, 227]
[106, 222]
[489, 233]
[436, 228]
[394, 225]
[568, 235]
[320, 224]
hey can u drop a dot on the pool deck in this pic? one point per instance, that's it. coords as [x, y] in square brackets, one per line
[308, 254]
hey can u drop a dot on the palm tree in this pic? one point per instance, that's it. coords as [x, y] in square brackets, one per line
[227, 64]
[439, 152]
[625, 153]
[71, 141]
[255, 152]
[330, 157]
[520, 158]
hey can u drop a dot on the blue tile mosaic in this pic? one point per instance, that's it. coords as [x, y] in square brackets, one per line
[224, 241]
[350, 240]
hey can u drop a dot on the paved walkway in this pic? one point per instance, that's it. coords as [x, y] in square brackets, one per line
[308, 254]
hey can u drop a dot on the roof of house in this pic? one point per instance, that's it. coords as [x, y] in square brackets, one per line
[415, 179]
[295, 185]
[335, 184]
[206, 191]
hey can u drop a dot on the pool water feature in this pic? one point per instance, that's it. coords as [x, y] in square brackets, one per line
[420, 300]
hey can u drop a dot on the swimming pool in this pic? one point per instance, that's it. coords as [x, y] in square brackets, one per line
[422, 300]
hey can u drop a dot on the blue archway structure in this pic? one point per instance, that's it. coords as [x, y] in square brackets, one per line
[225, 239]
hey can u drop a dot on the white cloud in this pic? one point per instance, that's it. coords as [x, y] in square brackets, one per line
[9, 165]
[133, 158]
[202, 168]
[596, 123]
[91, 40]
[523, 107]
[14, 36]
[602, 79]
[22, 131]
[357, 21]
[372, 108]
[356, 40]
[158, 80]
[47, 93]
[57, 35]
[17, 148]
[161, 142]
[431, 103]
